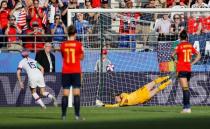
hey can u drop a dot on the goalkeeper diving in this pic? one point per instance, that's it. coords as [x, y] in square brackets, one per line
[141, 95]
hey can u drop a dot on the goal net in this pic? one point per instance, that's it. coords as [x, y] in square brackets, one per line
[128, 48]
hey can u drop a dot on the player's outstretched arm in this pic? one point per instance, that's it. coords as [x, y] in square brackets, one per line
[173, 54]
[19, 79]
[111, 105]
[99, 103]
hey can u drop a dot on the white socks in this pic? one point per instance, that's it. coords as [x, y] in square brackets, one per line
[47, 94]
[38, 99]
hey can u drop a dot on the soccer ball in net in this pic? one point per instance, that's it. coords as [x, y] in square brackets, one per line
[110, 68]
[99, 103]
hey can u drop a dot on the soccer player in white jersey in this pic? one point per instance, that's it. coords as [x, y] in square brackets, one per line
[35, 76]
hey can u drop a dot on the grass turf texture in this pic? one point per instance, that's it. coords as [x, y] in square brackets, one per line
[103, 118]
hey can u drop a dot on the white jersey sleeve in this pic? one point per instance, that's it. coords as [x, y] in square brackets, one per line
[20, 65]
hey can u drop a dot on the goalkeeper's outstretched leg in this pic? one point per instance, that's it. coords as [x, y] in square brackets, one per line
[155, 82]
[160, 88]
[152, 87]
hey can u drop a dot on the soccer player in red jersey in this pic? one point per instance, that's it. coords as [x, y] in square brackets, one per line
[72, 53]
[184, 52]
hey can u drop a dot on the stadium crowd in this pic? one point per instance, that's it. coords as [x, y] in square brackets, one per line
[27, 21]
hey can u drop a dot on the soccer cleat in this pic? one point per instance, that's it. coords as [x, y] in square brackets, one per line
[44, 107]
[164, 85]
[161, 79]
[63, 117]
[55, 102]
[186, 111]
[79, 118]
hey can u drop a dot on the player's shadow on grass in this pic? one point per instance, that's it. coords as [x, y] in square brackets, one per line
[37, 117]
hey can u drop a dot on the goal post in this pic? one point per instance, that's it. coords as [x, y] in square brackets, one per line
[139, 50]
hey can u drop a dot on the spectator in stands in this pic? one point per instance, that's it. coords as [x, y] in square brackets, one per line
[169, 3]
[58, 28]
[122, 4]
[140, 3]
[11, 3]
[53, 7]
[4, 14]
[127, 29]
[205, 23]
[71, 4]
[176, 27]
[96, 3]
[81, 4]
[35, 42]
[105, 4]
[92, 18]
[151, 4]
[105, 60]
[128, 3]
[147, 20]
[28, 3]
[108, 22]
[162, 26]
[178, 4]
[199, 4]
[172, 3]
[1, 38]
[74, 4]
[46, 58]
[160, 3]
[14, 42]
[42, 3]
[65, 1]
[194, 25]
[20, 14]
[83, 29]
[183, 21]
[36, 13]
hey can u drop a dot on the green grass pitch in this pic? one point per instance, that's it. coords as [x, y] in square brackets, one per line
[151, 117]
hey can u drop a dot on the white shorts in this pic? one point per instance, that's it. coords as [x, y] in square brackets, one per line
[37, 82]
